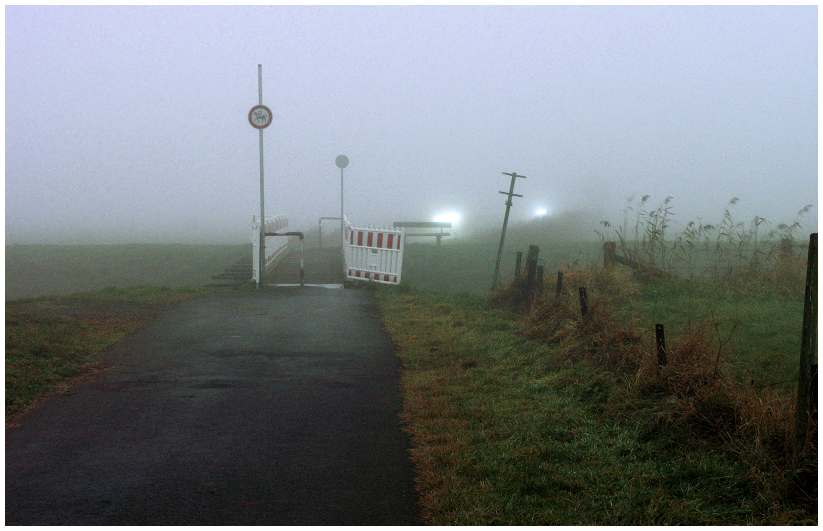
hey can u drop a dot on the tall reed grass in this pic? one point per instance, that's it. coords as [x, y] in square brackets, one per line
[730, 251]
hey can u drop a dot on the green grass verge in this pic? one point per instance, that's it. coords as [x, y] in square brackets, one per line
[506, 430]
[50, 341]
[760, 329]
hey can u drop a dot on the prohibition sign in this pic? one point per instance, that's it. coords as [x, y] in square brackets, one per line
[260, 117]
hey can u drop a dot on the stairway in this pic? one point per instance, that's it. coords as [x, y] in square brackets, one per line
[238, 273]
[320, 266]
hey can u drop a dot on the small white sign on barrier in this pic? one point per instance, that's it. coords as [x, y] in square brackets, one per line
[373, 254]
[276, 248]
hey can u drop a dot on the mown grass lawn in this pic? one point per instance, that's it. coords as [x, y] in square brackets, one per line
[506, 431]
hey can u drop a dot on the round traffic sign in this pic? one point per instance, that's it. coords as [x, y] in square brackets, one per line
[342, 161]
[260, 117]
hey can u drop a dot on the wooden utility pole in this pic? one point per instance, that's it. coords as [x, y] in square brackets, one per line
[510, 194]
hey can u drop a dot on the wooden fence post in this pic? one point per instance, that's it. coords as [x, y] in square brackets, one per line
[531, 272]
[584, 302]
[517, 264]
[609, 250]
[808, 343]
[660, 335]
[538, 287]
[559, 288]
[531, 264]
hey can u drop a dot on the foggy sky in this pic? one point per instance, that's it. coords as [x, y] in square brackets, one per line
[130, 123]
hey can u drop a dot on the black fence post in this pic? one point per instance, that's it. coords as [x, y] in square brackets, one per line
[531, 273]
[559, 289]
[660, 334]
[584, 302]
[538, 287]
[531, 264]
[517, 264]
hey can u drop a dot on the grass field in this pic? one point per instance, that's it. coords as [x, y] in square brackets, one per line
[47, 270]
[516, 417]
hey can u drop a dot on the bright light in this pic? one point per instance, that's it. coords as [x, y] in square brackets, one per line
[450, 217]
[541, 212]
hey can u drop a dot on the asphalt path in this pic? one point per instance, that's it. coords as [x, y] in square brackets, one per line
[278, 407]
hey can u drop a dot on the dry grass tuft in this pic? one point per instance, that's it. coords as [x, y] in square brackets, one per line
[694, 364]
[612, 284]
[513, 298]
[598, 337]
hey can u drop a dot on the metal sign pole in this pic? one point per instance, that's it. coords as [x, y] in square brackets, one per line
[262, 275]
[505, 223]
[341, 162]
[260, 117]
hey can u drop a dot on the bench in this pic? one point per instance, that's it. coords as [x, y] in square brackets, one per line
[425, 225]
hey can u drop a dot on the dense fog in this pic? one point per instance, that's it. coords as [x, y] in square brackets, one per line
[130, 123]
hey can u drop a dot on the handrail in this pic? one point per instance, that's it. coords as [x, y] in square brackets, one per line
[271, 254]
[294, 233]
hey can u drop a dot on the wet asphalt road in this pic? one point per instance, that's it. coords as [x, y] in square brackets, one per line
[241, 408]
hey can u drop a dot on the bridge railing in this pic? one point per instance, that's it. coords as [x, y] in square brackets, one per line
[276, 248]
[373, 254]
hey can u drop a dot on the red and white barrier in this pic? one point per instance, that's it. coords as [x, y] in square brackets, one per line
[373, 254]
[276, 248]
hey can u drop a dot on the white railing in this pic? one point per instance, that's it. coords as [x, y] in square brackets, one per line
[276, 248]
[373, 254]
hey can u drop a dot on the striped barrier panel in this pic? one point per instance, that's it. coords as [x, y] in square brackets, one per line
[373, 254]
[276, 248]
